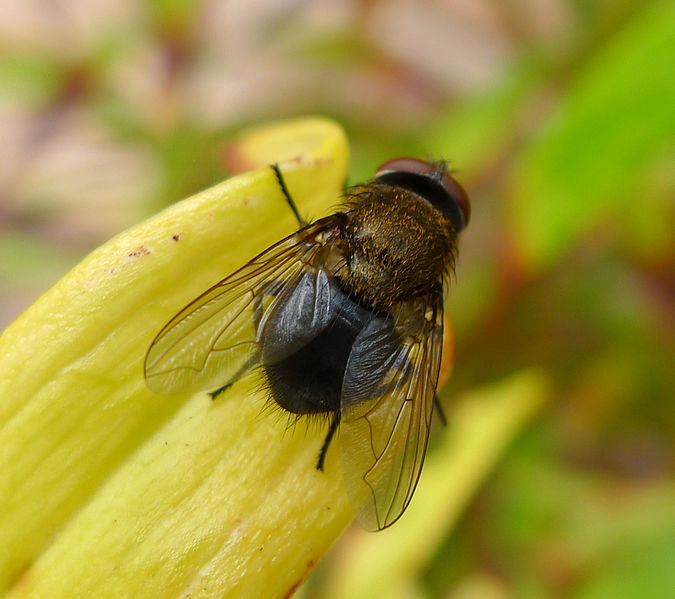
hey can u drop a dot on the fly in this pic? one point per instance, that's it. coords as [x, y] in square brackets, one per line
[345, 319]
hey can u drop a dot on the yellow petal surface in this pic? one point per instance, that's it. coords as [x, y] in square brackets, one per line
[108, 490]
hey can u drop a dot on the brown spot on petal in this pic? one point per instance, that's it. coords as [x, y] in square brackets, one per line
[141, 250]
[22, 577]
[296, 585]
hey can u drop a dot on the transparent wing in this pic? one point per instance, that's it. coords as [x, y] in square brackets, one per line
[210, 341]
[387, 403]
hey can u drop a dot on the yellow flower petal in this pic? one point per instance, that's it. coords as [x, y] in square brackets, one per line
[109, 490]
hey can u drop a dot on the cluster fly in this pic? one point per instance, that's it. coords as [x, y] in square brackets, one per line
[345, 319]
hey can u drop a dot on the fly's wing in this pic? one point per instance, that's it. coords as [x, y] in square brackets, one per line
[387, 403]
[210, 341]
[301, 312]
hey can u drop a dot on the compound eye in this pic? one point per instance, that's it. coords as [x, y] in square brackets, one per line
[459, 196]
[439, 173]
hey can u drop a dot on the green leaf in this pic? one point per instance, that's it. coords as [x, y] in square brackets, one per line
[618, 118]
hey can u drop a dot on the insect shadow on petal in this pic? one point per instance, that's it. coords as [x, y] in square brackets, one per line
[345, 319]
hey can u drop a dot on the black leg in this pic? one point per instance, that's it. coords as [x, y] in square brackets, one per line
[237, 375]
[439, 408]
[270, 289]
[326, 442]
[287, 195]
[220, 390]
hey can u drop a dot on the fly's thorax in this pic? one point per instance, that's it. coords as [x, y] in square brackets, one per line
[396, 246]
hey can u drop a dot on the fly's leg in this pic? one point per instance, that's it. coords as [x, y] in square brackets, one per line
[243, 369]
[334, 423]
[271, 289]
[287, 195]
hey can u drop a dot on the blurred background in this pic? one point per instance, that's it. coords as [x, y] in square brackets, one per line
[558, 116]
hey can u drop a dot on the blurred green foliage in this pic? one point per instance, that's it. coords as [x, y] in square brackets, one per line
[595, 152]
[566, 147]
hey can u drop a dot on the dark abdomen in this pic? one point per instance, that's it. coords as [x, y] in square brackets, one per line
[309, 381]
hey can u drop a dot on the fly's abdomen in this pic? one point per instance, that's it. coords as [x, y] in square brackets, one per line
[309, 381]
